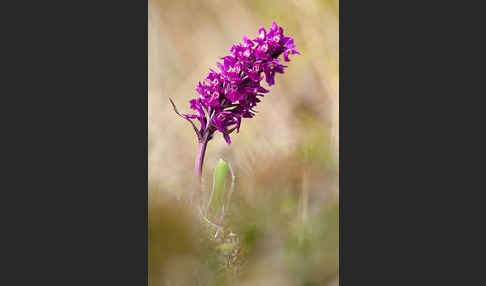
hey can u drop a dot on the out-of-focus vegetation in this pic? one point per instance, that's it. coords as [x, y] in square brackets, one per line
[271, 238]
[281, 227]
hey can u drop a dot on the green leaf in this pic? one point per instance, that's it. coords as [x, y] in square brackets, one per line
[216, 201]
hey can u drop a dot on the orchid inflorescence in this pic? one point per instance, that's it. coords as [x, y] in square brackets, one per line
[230, 94]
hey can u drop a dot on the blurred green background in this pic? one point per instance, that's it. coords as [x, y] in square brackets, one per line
[285, 159]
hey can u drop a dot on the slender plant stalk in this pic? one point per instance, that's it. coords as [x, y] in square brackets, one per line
[198, 165]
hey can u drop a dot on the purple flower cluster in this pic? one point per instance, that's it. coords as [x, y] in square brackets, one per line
[230, 94]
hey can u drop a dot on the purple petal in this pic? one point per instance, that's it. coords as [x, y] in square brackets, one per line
[227, 138]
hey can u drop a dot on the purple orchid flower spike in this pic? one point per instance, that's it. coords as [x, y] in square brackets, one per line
[227, 96]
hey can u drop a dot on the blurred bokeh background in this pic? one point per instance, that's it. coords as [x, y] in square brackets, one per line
[285, 159]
